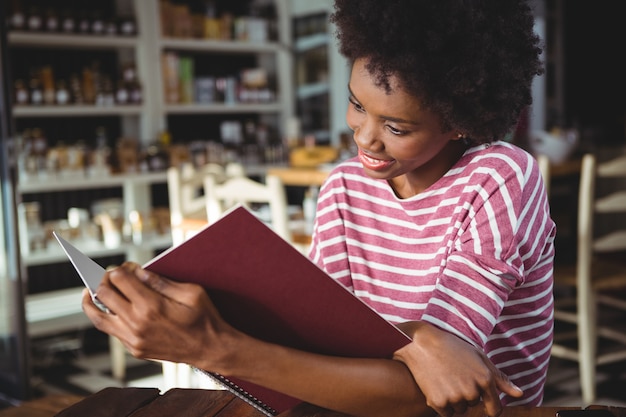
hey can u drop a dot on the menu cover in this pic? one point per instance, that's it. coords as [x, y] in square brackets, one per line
[266, 288]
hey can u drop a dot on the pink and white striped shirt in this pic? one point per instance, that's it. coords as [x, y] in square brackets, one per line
[472, 254]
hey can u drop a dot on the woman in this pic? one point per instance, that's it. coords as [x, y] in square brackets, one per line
[437, 224]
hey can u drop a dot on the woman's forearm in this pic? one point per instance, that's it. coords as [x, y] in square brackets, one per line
[361, 387]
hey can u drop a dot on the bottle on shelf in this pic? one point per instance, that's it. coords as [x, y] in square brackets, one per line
[68, 22]
[35, 91]
[84, 23]
[186, 77]
[268, 12]
[110, 27]
[136, 92]
[56, 160]
[127, 26]
[171, 79]
[100, 157]
[26, 160]
[132, 85]
[20, 92]
[226, 26]
[88, 86]
[51, 22]
[39, 148]
[97, 23]
[31, 228]
[62, 95]
[211, 21]
[76, 90]
[47, 81]
[17, 18]
[121, 93]
[157, 156]
[35, 20]
[105, 95]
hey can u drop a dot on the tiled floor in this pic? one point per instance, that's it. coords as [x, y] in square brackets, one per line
[83, 373]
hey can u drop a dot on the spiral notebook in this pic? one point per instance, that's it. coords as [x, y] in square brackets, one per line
[265, 287]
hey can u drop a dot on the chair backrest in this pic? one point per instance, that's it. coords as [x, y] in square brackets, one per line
[246, 191]
[185, 186]
[586, 196]
[610, 200]
[234, 169]
[544, 167]
[591, 207]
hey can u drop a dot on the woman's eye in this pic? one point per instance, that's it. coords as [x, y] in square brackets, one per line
[395, 131]
[356, 105]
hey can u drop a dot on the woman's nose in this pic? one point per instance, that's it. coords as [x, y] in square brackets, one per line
[365, 136]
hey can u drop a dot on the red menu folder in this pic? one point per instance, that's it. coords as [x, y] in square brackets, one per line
[266, 288]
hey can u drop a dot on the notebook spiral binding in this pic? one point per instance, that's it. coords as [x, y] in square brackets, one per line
[239, 392]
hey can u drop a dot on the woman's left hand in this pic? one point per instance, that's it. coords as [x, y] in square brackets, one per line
[452, 374]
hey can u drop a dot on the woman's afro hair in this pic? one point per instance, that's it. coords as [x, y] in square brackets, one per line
[470, 61]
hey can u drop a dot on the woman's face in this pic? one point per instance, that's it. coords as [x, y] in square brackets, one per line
[397, 140]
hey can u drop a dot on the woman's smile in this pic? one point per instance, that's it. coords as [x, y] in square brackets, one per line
[373, 163]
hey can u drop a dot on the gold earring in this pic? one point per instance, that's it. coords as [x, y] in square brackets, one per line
[460, 135]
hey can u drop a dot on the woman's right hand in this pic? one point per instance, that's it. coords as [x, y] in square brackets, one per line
[157, 318]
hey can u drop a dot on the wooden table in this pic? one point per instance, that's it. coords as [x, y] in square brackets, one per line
[567, 168]
[302, 177]
[41, 407]
[201, 403]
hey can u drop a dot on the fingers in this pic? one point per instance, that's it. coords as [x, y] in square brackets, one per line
[458, 399]
[491, 401]
[87, 303]
[146, 281]
[456, 407]
[125, 283]
[505, 385]
[501, 383]
[117, 289]
[101, 319]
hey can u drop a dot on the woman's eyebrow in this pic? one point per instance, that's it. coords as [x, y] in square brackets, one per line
[350, 91]
[398, 120]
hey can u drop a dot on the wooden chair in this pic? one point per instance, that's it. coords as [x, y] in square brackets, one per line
[597, 280]
[544, 166]
[185, 187]
[187, 204]
[246, 191]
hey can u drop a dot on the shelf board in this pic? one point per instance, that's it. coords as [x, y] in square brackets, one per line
[94, 249]
[312, 90]
[211, 45]
[76, 110]
[306, 43]
[59, 183]
[221, 108]
[43, 39]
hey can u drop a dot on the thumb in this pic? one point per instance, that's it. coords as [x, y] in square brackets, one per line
[153, 281]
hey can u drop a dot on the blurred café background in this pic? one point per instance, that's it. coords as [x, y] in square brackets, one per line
[112, 111]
